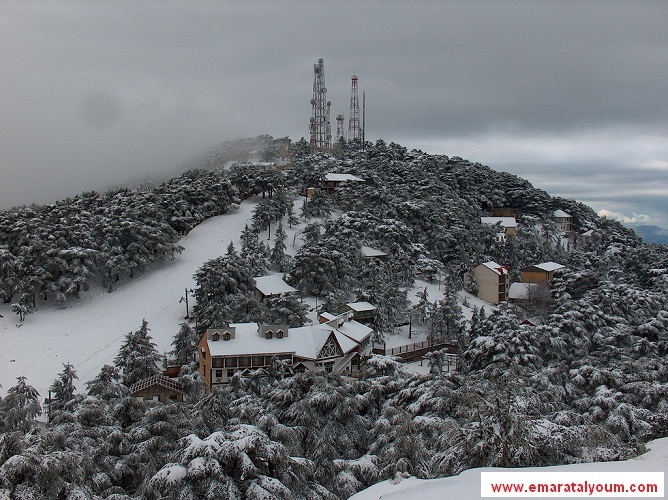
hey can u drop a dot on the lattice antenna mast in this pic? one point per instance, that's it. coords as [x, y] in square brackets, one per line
[340, 134]
[319, 122]
[354, 129]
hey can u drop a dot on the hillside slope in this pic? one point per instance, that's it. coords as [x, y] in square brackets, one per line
[88, 332]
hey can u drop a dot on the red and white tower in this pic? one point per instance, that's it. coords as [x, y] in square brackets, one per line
[354, 129]
[320, 138]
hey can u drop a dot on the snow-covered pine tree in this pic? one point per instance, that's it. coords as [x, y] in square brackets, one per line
[279, 259]
[138, 357]
[107, 385]
[20, 407]
[62, 389]
[185, 343]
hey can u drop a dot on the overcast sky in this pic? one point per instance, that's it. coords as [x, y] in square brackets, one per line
[572, 96]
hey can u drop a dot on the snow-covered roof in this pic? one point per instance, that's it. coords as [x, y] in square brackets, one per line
[327, 316]
[549, 266]
[354, 330]
[361, 306]
[588, 233]
[372, 252]
[497, 268]
[520, 291]
[342, 178]
[505, 221]
[305, 341]
[272, 285]
[561, 213]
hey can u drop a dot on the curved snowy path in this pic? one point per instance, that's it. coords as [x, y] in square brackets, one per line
[88, 332]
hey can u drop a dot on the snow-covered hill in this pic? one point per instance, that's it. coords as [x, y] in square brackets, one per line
[87, 333]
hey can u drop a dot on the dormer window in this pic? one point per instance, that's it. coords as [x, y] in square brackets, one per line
[227, 336]
[279, 334]
[215, 336]
[268, 334]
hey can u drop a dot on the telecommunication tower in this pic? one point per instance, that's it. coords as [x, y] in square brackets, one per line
[354, 130]
[340, 134]
[319, 125]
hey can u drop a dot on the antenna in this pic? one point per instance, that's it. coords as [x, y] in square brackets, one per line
[319, 123]
[354, 130]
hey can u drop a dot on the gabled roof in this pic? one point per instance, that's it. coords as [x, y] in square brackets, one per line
[372, 252]
[305, 341]
[160, 380]
[497, 268]
[549, 266]
[272, 285]
[342, 178]
[505, 221]
[361, 306]
[561, 213]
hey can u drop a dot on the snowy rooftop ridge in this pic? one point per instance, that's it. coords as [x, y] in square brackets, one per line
[505, 221]
[342, 178]
[272, 285]
[549, 266]
[497, 268]
[372, 252]
[361, 306]
[304, 341]
[561, 213]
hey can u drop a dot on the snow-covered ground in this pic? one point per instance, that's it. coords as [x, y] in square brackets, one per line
[466, 485]
[88, 332]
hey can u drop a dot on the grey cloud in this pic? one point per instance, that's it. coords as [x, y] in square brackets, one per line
[94, 92]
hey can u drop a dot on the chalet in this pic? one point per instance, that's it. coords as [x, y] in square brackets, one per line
[508, 225]
[338, 345]
[361, 311]
[272, 286]
[586, 236]
[370, 254]
[540, 272]
[493, 282]
[333, 181]
[157, 388]
[564, 221]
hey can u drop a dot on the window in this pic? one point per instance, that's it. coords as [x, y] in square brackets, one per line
[268, 334]
[230, 373]
[279, 334]
[215, 336]
[329, 366]
[156, 398]
[244, 361]
[217, 362]
[227, 336]
[219, 373]
[233, 362]
[258, 360]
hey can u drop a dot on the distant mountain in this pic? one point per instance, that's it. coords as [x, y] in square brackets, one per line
[652, 234]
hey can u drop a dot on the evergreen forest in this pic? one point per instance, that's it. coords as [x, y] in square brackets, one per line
[588, 382]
